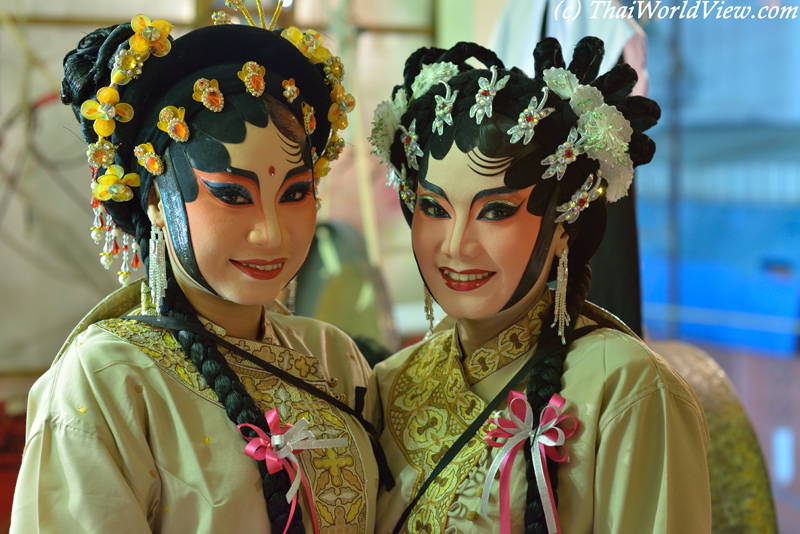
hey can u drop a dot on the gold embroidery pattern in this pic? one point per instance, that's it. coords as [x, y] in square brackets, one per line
[509, 345]
[163, 348]
[429, 408]
[336, 476]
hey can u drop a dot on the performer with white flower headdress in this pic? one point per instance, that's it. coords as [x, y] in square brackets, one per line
[504, 181]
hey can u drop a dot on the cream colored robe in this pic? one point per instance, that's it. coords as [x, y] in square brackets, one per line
[125, 437]
[637, 462]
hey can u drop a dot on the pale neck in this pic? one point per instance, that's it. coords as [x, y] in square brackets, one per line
[238, 320]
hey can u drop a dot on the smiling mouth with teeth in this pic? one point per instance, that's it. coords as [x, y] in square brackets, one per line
[466, 280]
[264, 267]
[465, 277]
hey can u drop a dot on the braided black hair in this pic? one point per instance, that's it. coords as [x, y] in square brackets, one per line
[525, 170]
[88, 68]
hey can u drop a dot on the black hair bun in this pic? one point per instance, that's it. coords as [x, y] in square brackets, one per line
[87, 68]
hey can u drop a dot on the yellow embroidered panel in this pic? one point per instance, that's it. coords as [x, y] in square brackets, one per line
[335, 475]
[512, 343]
[430, 406]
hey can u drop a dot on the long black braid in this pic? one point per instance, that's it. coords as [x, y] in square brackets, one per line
[526, 169]
[87, 68]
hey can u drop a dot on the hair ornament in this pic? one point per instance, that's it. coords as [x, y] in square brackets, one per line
[207, 92]
[106, 111]
[485, 97]
[444, 107]
[309, 43]
[334, 71]
[605, 132]
[342, 105]
[309, 120]
[565, 154]
[400, 183]
[171, 121]
[430, 75]
[220, 17]
[290, 90]
[127, 66]
[410, 144]
[147, 158]
[252, 74]
[570, 211]
[529, 118]
[605, 137]
[116, 185]
[101, 153]
[238, 5]
[385, 121]
[151, 37]
[332, 152]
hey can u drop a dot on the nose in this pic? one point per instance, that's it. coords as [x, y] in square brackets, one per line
[459, 244]
[267, 230]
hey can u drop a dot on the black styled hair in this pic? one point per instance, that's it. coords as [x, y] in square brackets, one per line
[215, 52]
[523, 168]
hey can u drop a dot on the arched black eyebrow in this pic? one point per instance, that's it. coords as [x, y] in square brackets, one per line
[250, 175]
[502, 190]
[436, 189]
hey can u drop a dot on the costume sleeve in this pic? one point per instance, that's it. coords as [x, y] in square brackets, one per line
[651, 473]
[70, 482]
[87, 466]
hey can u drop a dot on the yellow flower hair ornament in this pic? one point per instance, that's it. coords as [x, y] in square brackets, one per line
[171, 121]
[342, 105]
[151, 37]
[309, 43]
[116, 185]
[106, 110]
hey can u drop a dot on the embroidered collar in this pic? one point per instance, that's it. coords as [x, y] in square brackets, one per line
[267, 332]
[510, 344]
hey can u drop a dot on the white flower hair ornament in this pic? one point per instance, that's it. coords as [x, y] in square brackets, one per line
[604, 132]
[385, 122]
[430, 75]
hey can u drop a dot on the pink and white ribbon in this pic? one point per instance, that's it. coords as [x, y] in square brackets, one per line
[277, 450]
[547, 441]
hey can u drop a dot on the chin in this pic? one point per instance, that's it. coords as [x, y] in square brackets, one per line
[469, 307]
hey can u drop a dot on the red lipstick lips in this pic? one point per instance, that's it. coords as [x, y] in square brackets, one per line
[261, 269]
[469, 280]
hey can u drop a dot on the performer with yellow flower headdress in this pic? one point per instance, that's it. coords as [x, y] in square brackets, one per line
[192, 401]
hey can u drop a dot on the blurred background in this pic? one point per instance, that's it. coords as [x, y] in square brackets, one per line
[717, 209]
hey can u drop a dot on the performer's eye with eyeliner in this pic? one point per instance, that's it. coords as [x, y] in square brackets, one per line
[297, 191]
[229, 193]
[431, 208]
[498, 210]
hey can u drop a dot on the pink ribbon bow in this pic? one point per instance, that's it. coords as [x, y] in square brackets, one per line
[548, 437]
[276, 449]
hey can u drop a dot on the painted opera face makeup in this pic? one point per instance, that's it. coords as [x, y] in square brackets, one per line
[252, 226]
[472, 235]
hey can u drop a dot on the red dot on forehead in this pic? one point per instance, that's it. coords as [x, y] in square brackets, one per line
[272, 170]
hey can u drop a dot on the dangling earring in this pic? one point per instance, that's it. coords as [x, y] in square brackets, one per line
[560, 307]
[429, 308]
[291, 294]
[157, 275]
